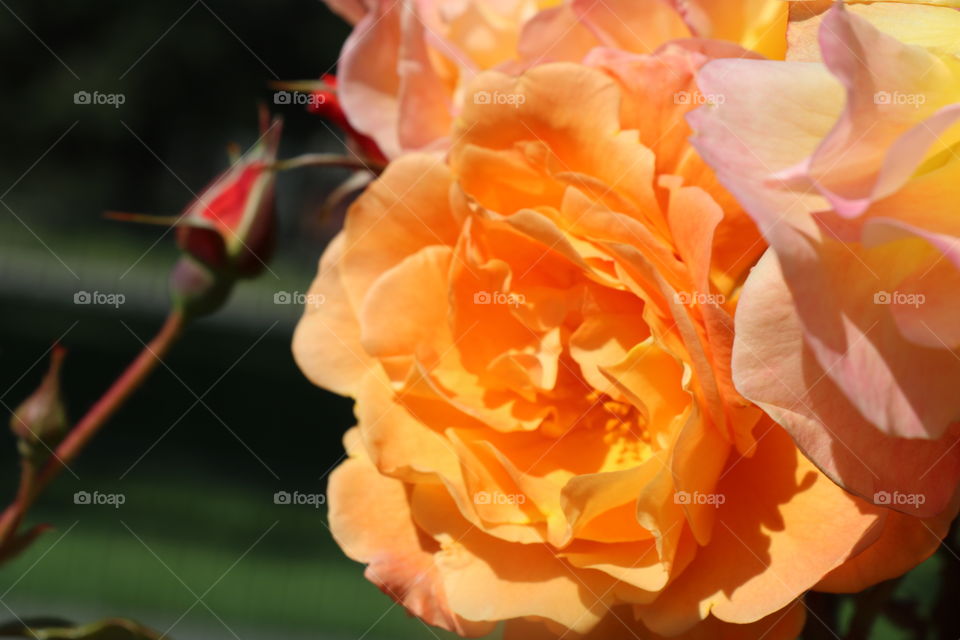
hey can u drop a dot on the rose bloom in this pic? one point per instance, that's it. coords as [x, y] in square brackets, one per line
[537, 332]
[848, 332]
[404, 70]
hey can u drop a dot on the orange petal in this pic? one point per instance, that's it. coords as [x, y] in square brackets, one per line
[326, 343]
[370, 520]
[404, 211]
[749, 570]
[905, 542]
[639, 26]
[488, 579]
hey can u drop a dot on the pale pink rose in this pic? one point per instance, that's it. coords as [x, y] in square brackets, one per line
[845, 156]
[404, 69]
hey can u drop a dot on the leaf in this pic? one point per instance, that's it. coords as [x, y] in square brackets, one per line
[110, 629]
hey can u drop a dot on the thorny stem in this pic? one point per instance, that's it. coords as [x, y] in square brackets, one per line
[33, 481]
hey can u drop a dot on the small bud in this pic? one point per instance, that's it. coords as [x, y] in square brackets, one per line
[231, 226]
[40, 422]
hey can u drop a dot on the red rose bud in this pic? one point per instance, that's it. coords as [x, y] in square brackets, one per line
[231, 226]
[40, 422]
[327, 104]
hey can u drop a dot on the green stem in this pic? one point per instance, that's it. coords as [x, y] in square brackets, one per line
[327, 160]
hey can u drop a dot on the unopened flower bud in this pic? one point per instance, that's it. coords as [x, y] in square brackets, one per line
[228, 232]
[231, 226]
[40, 422]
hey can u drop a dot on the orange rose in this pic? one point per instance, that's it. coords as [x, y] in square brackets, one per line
[404, 71]
[537, 333]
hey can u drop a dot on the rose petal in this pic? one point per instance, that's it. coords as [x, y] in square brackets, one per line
[773, 368]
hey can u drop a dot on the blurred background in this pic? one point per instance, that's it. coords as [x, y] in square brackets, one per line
[199, 548]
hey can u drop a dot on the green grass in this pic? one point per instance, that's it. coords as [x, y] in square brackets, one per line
[294, 581]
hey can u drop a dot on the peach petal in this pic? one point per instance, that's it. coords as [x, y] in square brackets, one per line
[775, 369]
[370, 520]
[748, 570]
[699, 459]
[634, 563]
[409, 207]
[425, 106]
[924, 306]
[632, 25]
[397, 442]
[904, 542]
[368, 80]
[771, 117]
[554, 35]
[326, 343]
[785, 624]
[488, 579]
[406, 304]
[856, 340]
[589, 496]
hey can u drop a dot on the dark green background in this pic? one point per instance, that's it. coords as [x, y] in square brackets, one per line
[199, 498]
[199, 518]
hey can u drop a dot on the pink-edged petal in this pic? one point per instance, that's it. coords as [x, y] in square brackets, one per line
[368, 78]
[766, 117]
[875, 69]
[425, 104]
[775, 368]
[849, 327]
[925, 304]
